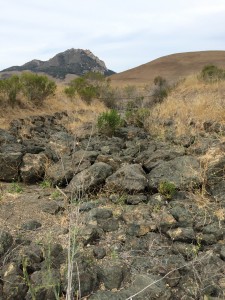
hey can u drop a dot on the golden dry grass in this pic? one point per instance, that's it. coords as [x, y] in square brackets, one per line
[172, 67]
[78, 111]
[191, 101]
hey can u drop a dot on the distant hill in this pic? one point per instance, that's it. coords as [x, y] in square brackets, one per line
[171, 67]
[72, 61]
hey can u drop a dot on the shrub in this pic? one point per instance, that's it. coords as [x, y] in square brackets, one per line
[211, 73]
[92, 85]
[167, 189]
[10, 89]
[137, 117]
[161, 89]
[37, 87]
[108, 122]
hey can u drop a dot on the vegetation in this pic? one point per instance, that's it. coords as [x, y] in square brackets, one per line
[211, 73]
[108, 122]
[37, 87]
[161, 89]
[90, 86]
[10, 89]
[137, 116]
[167, 189]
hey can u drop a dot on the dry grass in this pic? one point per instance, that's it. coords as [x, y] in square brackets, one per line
[192, 101]
[78, 111]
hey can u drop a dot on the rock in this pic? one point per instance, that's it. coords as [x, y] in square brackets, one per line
[157, 288]
[31, 225]
[111, 276]
[182, 213]
[14, 287]
[91, 235]
[101, 213]
[130, 178]
[135, 199]
[31, 257]
[33, 167]
[6, 137]
[182, 234]
[183, 172]
[6, 241]
[83, 155]
[45, 284]
[109, 224]
[99, 252]
[164, 221]
[222, 253]
[113, 161]
[52, 207]
[90, 179]
[10, 161]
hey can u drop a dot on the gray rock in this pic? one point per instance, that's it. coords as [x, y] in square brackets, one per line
[6, 241]
[111, 275]
[222, 253]
[99, 252]
[33, 167]
[182, 234]
[90, 179]
[130, 178]
[14, 284]
[52, 207]
[135, 199]
[45, 285]
[101, 213]
[109, 224]
[183, 171]
[9, 165]
[31, 225]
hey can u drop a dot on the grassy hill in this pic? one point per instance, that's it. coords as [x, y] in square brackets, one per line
[172, 67]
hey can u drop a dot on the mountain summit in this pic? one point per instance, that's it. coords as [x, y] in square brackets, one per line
[72, 61]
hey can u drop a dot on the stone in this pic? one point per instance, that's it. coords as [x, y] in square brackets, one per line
[135, 199]
[6, 241]
[33, 167]
[89, 179]
[109, 224]
[182, 234]
[52, 207]
[10, 161]
[31, 225]
[99, 252]
[129, 178]
[111, 275]
[183, 172]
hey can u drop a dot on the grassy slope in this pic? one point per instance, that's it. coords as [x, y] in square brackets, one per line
[192, 100]
[172, 67]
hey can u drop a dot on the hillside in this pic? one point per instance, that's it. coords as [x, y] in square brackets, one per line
[72, 61]
[172, 67]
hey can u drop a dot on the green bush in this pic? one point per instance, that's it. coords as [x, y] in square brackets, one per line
[37, 87]
[167, 189]
[211, 73]
[108, 122]
[92, 85]
[10, 89]
[137, 117]
[161, 89]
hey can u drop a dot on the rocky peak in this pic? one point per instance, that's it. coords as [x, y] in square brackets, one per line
[71, 61]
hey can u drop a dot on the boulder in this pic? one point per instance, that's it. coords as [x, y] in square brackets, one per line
[129, 178]
[62, 172]
[6, 241]
[89, 179]
[10, 160]
[183, 172]
[33, 167]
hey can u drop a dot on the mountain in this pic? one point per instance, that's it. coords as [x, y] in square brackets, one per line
[172, 67]
[72, 61]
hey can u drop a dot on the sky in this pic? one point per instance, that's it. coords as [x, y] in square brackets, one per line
[122, 33]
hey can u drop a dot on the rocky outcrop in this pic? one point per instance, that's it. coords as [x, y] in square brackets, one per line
[129, 239]
[71, 61]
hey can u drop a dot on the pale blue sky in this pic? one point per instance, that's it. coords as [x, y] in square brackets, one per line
[123, 33]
